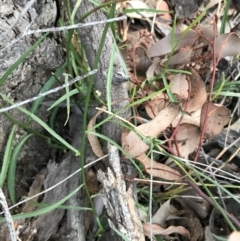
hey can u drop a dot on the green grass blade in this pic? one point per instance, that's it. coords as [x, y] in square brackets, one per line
[6, 158]
[45, 126]
[63, 98]
[47, 86]
[43, 210]
[12, 167]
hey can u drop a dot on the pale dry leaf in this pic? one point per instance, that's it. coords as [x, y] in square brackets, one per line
[153, 69]
[134, 145]
[208, 33]
[179, 85]
[93, 140]
[165, 210]
[227, 45]
[187, 138]
[155, 105]
[158, 169]
[218, 117]
[211, 3]
[163, 6]
[193, 118]
[184, 56]
[198, 93]
[157, 230]
[235, 236]
[135, 4]
[165, 46]
[192, 85]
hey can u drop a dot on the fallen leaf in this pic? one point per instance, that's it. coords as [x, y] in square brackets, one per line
[187, 138]
[155, 105]
[93, 140]
[192, 85]
[153, 69]
[134, 145]
[198, 93]
[158, 169]
[227, 44]
[218, 117]
[179, 85]
[165, 45]
[184, 56]
[156, 229]
[207, 33]
[165, 210]
[193, 118]
[163, 6]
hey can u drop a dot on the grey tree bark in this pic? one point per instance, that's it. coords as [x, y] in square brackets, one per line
[26, 81]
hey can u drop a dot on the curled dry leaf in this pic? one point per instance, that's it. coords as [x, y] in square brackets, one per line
[134, 145]
[162, 214]
[187, 137]
[158, 169]
[93, 140]
[165, 45]
[179, 85]
[198, 93]
[183, 84]
[218, 117]
[153, 69]
[156, 229]
[208, 33]
[163, 6]
[184, 56]
[193, 118]
[155, 105]
[227, 44]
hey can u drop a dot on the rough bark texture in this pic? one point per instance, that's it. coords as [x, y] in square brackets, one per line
[26, 81]
[28, 78]
[118, 201]
[90, 39]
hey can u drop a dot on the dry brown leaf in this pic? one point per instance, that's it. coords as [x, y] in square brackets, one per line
[162, 214]
[158, 169]
[156, 229]
[179, 85]
[153, 69]
[165, 46]
[198, 93]
[134, 145]
[184, 56]
[163, 6]
[218, 117]
[227, 44]
[208, 33]
[193, 118]
[93, 140]
[155, 105]
[187, 137]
